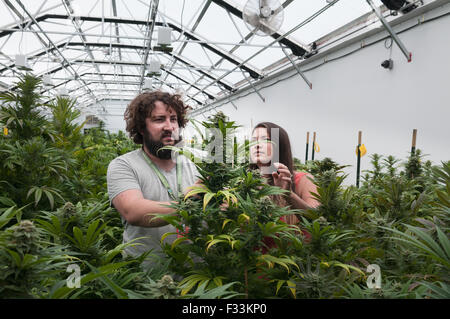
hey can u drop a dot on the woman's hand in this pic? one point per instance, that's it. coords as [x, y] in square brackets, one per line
[282, 177]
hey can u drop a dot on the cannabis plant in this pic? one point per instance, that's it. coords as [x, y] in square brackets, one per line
[413, 167]
[390, 289]
[63, 122]
[389, 163]
[32, 171]
[27, 264]
[336, 203]
[226, 224]
[21, 111]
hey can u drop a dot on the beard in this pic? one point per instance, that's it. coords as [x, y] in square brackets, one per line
[154, 146]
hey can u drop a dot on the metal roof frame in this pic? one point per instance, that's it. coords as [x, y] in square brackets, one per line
[224, 73]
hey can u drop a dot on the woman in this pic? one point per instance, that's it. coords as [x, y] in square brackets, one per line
[264, 156]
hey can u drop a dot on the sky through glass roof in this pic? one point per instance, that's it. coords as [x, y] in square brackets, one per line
[103, 49]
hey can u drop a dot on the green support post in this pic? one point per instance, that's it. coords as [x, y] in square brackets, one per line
[313, 145]
[307, 146]
[358, 163]
[413, 145]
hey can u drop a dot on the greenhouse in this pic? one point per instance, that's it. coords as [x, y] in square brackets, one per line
[224, 149]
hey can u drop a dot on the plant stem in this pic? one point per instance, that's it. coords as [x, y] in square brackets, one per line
[246, 282]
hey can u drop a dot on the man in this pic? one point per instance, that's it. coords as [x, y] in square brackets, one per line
[141, 182]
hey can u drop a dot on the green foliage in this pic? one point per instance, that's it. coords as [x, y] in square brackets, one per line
[225, 244]
[325, 165]
[413, 165]
[26, 261]
[221, 292]
[64, 115]
[389, 290]
[44, 165]
[55, 212]
[21, 110]
[32, 172]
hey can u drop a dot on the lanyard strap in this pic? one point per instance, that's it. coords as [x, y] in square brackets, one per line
[162, 178]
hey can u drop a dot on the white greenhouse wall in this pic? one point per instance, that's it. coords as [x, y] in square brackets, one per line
[355, 93]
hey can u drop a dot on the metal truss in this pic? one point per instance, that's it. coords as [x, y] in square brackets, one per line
[117, 63]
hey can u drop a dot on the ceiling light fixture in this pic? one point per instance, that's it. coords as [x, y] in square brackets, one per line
[164, 40]
[147, 84]
[154, 68]
[63, 92]
[47, 80]
[22, 62]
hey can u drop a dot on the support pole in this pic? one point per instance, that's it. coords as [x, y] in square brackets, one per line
[153, 10]
[296, 67]
[253, 87]
[413, 144]
[234, 105]
[358, 163]
[313, 145]
[307, 146]
[235, 150]
[390, 30]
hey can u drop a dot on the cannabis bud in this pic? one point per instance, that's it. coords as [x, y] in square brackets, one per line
[165, 288]
[322, 220]
[166, 280]
[24, 237]
[69, 210]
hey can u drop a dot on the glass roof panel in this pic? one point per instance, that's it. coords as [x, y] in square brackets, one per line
[183, 11]
[339, 14]
[226, 67]
[8, 16]
[209, 55]
[199, 56]
[213, 23]
[136, 10]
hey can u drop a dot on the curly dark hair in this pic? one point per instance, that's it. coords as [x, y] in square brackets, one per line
[142, 106]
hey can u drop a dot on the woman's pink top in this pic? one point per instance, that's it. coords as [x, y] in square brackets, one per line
[268, 241]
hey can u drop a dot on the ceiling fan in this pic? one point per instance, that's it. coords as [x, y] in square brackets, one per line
[263, 17]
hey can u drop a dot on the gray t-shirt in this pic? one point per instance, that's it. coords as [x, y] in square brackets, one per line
[131, 171]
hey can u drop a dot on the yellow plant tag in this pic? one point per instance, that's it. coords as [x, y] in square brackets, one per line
[362, 150]
[316, 147]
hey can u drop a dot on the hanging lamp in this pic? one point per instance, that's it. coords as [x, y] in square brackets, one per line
[147, 84]
[164, 40]
[154, 68]
[22, 62]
